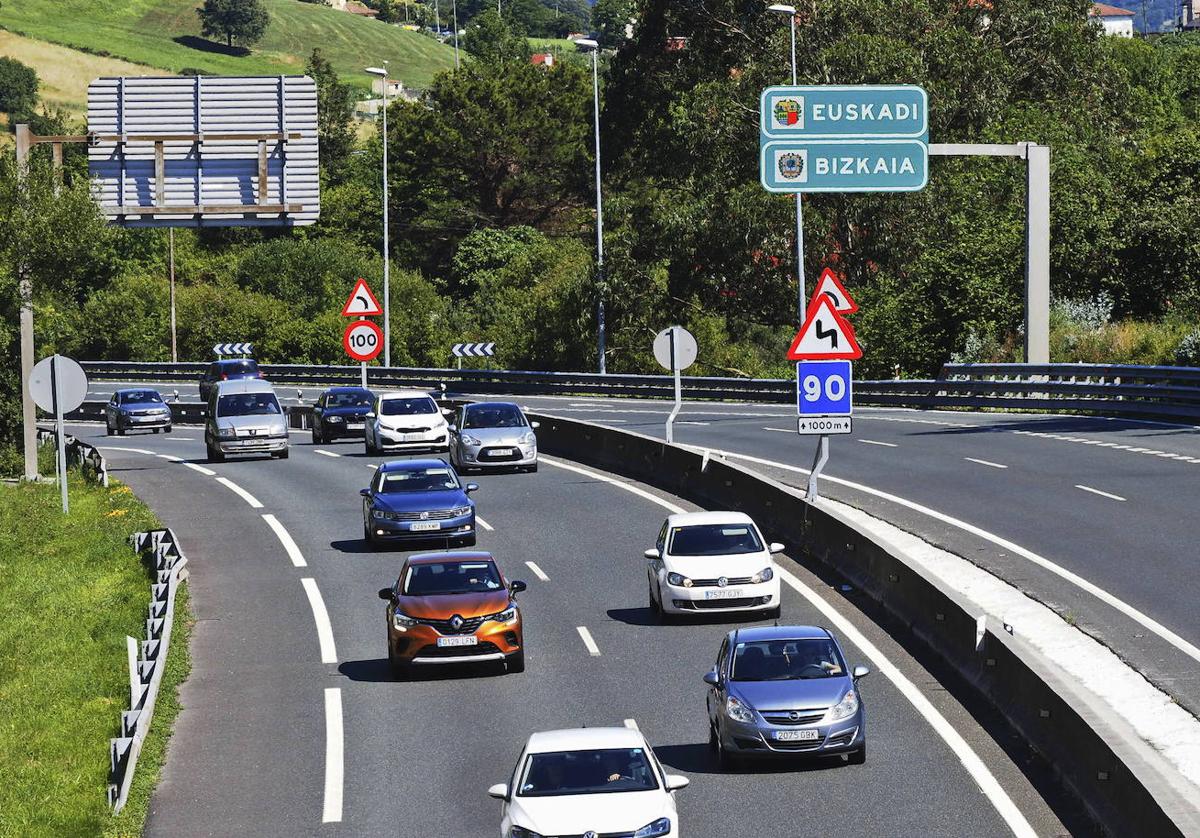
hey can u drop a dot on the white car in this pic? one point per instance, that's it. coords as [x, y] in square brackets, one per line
[406, 420]
[590, 781]
[712, 562]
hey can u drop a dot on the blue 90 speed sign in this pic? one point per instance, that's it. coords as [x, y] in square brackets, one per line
[823, 388]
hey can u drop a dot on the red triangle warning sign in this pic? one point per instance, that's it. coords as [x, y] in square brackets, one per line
[824, 336]
[830, 286]
[362, 302]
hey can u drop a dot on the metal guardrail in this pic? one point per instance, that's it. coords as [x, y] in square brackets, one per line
[91, 462]
[147, 660]
[1146, 392]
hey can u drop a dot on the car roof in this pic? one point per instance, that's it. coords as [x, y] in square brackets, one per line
[781, 633]
[405, 394]
[452, 556]
[492, 404]
[413, 465]
[135, 390]
[691, 519]
[347, 389]
[244, 385]
[223, 361]
[585, 739]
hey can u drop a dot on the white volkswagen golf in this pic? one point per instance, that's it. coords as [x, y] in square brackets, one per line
[406, 420]
[590, 781]
[711, 562]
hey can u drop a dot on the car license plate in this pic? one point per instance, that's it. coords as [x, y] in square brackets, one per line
[468, 640]
[723, 593]
[412, 437]
[354, 426]
[501, 452]
[425, 526]
[797, 735]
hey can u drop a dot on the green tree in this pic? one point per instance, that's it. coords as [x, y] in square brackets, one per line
[18, 88]
[610, 19]
[335, 116]
[495, 40]
[244, 21]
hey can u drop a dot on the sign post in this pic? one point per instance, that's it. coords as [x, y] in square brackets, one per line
[58, 385]
[362, 339]
[675, 349]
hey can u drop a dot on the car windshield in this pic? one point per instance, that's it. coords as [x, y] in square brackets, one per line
[248, 404]
[243, 366]
[493, 416]
[714, 540]
[359, 398]
[140, 397]
[417, 480]
[587, 772]
[438, 578]
[787, 660]
[408, 407]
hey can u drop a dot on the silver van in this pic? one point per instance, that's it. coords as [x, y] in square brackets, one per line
[245, 417]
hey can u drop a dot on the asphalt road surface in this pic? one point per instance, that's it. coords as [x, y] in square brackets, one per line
[292, 724]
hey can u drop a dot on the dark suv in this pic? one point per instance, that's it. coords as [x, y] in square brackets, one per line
[230, 370]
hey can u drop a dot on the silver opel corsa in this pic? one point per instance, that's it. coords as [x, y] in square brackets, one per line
[492, 435]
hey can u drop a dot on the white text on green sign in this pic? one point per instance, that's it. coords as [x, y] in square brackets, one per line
[833, 111]
[850, 166]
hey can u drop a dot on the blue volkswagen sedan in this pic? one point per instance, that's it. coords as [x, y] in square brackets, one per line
[341, 412]
[418, 500]
[784, 691]
[136, 409]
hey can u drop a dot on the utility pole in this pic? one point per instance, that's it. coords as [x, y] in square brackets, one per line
[171, 268]
[25, 292]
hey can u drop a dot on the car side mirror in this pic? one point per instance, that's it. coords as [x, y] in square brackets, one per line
[535, 424]
[861, 671]
[776, 547]
[499, 791]
[386, 593]
[366, 493]
[675, 782]
[447, 411]
[517, 586]
[472, 487]
[712, 678]
[453, 428]
[370, 414]
[652, 553]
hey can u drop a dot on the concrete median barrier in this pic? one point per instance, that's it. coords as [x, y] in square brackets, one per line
[1121, 781]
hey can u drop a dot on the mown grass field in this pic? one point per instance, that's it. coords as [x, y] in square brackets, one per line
[71, 589]
[146, 32]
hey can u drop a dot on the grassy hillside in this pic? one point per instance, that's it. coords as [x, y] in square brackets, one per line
[166, 34]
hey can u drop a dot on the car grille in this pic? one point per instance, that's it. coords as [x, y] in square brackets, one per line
[710, 604]
[731, 580]
[602, 835]
[815, 745]
[488, 455]
[409, 430]
[433, 515]
[145, 413]
[783, 717]
[435, 651]
[469, 626]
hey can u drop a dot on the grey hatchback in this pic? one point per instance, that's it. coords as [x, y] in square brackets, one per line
[783, 691]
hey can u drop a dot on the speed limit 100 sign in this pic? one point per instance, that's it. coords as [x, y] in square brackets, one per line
[363, 340]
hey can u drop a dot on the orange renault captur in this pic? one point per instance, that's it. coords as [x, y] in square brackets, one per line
[453, 608]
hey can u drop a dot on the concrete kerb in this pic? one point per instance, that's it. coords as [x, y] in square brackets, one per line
[1120, 780]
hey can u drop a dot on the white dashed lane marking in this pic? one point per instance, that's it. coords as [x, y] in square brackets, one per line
[326, 453]
[240, 492]
[484, 524]
[987, 463]
[537, 571]
[1108, 495]
[881, 444]
[285, 538]
[586, 636]
[207, 472]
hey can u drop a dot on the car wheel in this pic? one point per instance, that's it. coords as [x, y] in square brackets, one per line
[469, 541]
[713, 744]
[120, 431]
[167, 429]
[858, 757]
[516, 662]
[728, 761]
[531, 469]
[214, 455]
[316, 438]
[158, 430]
[399, 669]
[280, 455]
[108, 431]
[775, 612]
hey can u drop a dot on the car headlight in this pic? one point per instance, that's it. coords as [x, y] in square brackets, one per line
[470, 440]
[226, 433]
[522, 832]
[380, 515]
[402, 621]
[334, 419]
[163, 410]
[531, 439]
[739, 712]
[678, 580]
[764, 575]
[660, 827]
[460, 511]
[506, 616]
[845, 708]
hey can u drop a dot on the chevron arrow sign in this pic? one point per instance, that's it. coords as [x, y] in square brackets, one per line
[474, 350]
[233, 349]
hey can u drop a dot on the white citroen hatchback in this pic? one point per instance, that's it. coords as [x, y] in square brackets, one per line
[712, 561]
[589, 781]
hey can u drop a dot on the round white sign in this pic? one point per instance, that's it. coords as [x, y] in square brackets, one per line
[683, 344]
[72, 383]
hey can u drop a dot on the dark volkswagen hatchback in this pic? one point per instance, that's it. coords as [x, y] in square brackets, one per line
[340, 412]
[227, 370]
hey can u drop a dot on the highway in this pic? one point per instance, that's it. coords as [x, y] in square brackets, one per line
[293, 726]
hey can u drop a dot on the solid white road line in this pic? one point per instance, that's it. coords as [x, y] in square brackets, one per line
[321, 618]
[586, 635]
[882, 444]
[987, 463]
[781, 430]
[682, 422]
[285, 538]
[173, 438]
[335, 757]
[129, 450]
[242, 493]
[1108, 495]
[632, 724]
[1095, 590]
[207, 472]
[484, 524]
[170, 457]
[975, 766]
[537, 571]
[326, 453]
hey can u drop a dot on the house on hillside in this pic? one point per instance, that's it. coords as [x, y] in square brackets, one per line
[356, 8]
[1190, 18]
[1115, 21]
[542, 59]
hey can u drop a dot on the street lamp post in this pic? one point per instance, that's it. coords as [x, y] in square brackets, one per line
[454, 7]
[593, 47]
[381, 72]
[790, 11]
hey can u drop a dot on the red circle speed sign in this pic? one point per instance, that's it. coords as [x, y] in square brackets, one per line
[363, 340]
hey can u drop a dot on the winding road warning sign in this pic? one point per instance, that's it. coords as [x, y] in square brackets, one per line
[830, 286]
[362, 302]
[824, 336]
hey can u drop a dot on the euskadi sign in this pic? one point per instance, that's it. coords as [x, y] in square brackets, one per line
[832, 112]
